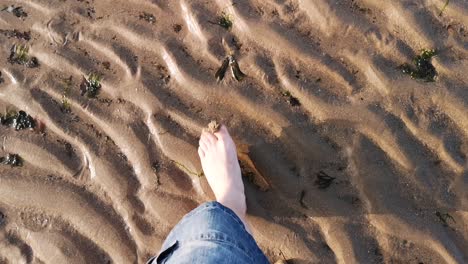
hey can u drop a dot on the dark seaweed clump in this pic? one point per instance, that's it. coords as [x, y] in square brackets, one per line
[14, 160]
[443, 217]
[19, 54]
[91, 85]
[293, 101]
[323, 180]
[150, 18]
[423, 68]
[1, 78]
[19, 120]
[222, 70]
[26, 35]
[17, 11]
[444, 7]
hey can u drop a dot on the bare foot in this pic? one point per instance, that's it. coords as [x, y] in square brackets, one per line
[219, 162]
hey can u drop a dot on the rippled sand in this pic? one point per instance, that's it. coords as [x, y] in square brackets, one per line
[108, 179]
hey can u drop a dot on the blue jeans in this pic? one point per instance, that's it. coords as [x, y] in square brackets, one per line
[211, 233]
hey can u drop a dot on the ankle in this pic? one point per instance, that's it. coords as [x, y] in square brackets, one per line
[234, 202]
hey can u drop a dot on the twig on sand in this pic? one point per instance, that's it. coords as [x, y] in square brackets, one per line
[183, 167]
[444, 7]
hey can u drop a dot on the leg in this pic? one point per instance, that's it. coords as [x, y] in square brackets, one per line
[221, 167]
[215, 232]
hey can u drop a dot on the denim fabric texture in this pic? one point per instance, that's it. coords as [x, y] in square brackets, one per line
[211, 233]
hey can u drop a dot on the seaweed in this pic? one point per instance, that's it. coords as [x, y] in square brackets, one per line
[18, 120]
[150, 18]
[1, 78]
[423, 69]
[293, 101]
[17, 11]
[91, 85]
[443, 217]
[26, 35]
[14, 160]
[323, 180]
[222, 70]
[444, 7]
[19, 54]
[235, 70]
[224, 20]
[249, 169]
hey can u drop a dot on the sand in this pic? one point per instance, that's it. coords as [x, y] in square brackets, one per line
[364, 163]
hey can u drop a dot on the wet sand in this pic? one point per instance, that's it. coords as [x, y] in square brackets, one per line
[364, 164]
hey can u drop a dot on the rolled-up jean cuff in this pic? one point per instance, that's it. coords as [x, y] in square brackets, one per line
[210, 233]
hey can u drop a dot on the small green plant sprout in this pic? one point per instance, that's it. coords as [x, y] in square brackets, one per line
[423, 68]
[14, 160]
[66, 106]
[444, 7]
[225, 21]
[19, 54]
[91, 85]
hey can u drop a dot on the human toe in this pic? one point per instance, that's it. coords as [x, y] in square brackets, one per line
[222, 133]
[209, 137]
